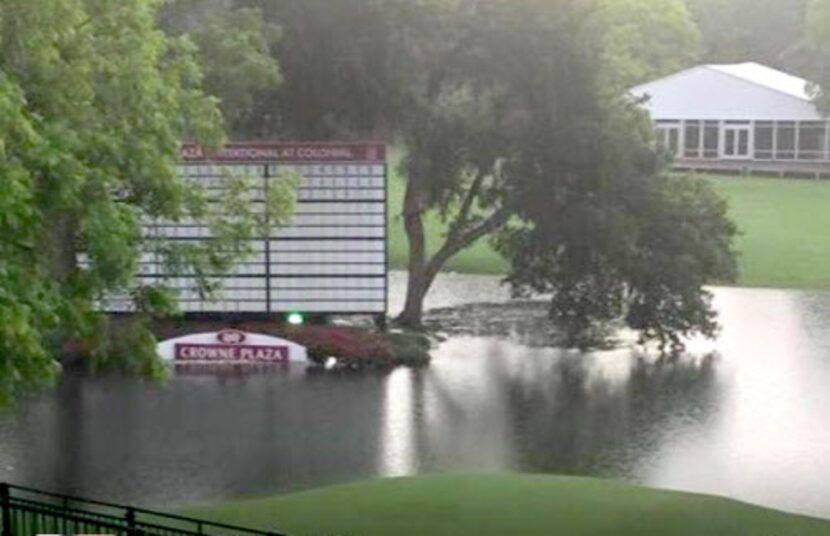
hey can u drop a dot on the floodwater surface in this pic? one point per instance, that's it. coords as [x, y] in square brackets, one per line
[747, 416]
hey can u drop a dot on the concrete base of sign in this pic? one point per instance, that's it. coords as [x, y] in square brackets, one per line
[231, 347]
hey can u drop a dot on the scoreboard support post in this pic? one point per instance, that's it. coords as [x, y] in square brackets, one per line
[266, 191]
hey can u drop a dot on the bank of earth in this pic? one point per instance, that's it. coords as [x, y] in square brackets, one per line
[506, 504]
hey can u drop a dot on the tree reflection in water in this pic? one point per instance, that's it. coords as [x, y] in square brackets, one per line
[584, 423]
[545, 411]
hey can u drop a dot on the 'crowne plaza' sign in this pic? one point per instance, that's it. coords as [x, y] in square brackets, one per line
[331, 259]
[231, 346]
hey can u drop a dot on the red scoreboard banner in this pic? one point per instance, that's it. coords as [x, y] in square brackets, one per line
[287, 152]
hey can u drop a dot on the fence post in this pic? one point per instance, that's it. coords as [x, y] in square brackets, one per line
[130, 517]
[5, 504]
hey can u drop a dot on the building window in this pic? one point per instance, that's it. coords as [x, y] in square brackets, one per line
[811, 140]
[711, 139]
[672, 140]
[692, 132]
[764, 137]
[785, 141]
[668, 137]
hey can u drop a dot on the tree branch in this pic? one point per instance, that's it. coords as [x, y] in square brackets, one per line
[413, 225]
[453, 247]
[466, 206]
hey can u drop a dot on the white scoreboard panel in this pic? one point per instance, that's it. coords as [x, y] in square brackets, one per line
[332, 259]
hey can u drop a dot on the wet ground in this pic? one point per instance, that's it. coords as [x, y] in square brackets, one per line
[747, 416]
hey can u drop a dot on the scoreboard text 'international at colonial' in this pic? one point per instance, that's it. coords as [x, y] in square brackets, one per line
[332, 259]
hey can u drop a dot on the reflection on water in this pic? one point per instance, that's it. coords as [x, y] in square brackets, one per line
[749, 420]
[771, 440]
[398, 425]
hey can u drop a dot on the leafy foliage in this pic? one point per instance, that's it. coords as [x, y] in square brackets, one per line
[236, 51]
[94, 103]
[351, 67]
[817, 45]
[521, 134]
[748, 30]
[613, 238]
[646, 39]
[676, 239]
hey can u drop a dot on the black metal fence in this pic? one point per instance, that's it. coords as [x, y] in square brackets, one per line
[29, 512]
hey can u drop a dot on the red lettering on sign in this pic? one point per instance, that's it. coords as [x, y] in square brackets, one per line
[288, 152]
[224, 352]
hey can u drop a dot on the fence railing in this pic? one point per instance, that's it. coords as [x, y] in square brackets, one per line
[29, 512]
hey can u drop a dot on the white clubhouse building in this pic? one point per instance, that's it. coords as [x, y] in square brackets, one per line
[742, 118]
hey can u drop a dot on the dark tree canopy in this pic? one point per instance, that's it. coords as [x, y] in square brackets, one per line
[815, 51]
[521, 138]
[350, 66]
[646, 39]
[749, 30]
[236, 50]
[820, 21]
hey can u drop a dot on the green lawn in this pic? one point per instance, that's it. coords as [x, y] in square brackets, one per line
[785, 226]
[478, 259]
[507, 505]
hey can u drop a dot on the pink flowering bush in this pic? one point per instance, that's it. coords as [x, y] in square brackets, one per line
[353, 348]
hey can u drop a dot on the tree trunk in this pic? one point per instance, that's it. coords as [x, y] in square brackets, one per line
[60, 243]
[423, 271]
[417, 287]
[413, 312]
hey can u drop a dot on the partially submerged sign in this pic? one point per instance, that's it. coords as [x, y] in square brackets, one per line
[233, 347]
[330, 259]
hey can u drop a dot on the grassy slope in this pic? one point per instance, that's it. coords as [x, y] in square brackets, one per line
[505, 504]
[478, 259]
[785, 225]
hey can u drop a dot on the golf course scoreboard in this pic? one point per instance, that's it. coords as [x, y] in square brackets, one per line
[331, 258]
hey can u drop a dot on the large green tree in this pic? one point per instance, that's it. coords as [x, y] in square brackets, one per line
[521, 137]
[351, 67]
[748, 30]
[817, 45]
[646, 39]
[236, 52]
[95, 104]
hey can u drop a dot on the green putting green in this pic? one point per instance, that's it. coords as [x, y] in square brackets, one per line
[784, 242]
[507, 505]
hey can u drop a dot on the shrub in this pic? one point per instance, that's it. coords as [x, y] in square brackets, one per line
[409, 349]
[353, 348]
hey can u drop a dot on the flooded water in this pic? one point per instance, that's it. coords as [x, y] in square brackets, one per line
[751, 421]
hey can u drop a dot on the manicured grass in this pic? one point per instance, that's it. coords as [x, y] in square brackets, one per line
[506, 505]
[785, 226]
[478, 259]
[784, 242]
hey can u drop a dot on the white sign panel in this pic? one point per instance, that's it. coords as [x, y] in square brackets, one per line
[332, 258]
[231, 347]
